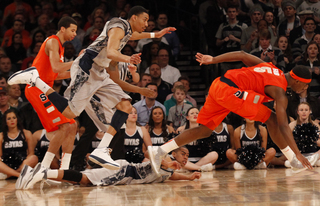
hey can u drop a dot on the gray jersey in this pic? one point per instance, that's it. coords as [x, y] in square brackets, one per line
[98, 49]
[132, 173]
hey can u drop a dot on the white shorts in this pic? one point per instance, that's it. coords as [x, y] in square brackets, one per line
[96, 93]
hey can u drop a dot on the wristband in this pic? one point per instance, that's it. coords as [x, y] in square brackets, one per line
[152, 35]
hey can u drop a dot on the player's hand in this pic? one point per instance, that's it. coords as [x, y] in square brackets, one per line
[148, 92]
[204, 59]
[135, 58]
[305, 162]
[132, 68]
[164, 31]
[195, 175]
[174, 165]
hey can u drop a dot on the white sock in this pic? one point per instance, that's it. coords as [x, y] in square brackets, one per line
[169, 146]
[106, 139]
[65, 161]
[48, 157]
[288, 153]
[42, 85]
[52, 174]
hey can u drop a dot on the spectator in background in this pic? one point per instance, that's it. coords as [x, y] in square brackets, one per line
[144, 80]
[186, 83]
[269, 17]
[3, 81]
[34, 51]
[18, 27]
[80, 32]
[16, 52]
[177, 113]
[277, 11]
[300, 44]
[294, 99]
[42, 24]
[47, 8]
[14, 94]
[98, 23]
[157, 126]
[164, 88]
[291, 21]
[38, 36]
[249, 34]
[144, 106]
[267, 52]
[133, 44]
[16, 146]
[300, 30]
[6, 67]
[69, 52]
[14, 8]
[169, 73]
[91, 37]
[172, 38]
[4, 102]
[311, 5]
[170, 100]
[98, 11]
[311, 60]
[283, 44]
[2, 52]
[162, 42]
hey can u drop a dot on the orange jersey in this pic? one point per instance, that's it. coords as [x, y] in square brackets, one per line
[257, 77]
[43, 65]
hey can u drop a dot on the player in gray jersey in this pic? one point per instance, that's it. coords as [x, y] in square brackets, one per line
[140, 173]
[92, 88]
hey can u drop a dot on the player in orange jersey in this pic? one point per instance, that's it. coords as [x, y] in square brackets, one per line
[49, 63]
[243, 91]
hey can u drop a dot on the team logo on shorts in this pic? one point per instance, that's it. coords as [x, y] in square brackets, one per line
[239, 94]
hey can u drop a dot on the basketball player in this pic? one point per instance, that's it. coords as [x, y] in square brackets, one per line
[243, 91]
[49, 63]
[140, 173]
[91, 88]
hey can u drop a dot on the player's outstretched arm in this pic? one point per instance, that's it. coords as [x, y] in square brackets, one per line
[179, 176]
[246, 58]
[145, 35]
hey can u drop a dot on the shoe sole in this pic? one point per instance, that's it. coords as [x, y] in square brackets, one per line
[152, 161]
[107, 165]
[21, 176]
[17, 73]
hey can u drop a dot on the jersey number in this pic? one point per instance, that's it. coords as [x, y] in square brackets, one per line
[267, 69]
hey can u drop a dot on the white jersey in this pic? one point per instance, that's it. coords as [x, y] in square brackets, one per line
[98, 48]
[129, 173]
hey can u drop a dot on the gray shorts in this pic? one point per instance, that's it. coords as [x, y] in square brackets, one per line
[96, 93]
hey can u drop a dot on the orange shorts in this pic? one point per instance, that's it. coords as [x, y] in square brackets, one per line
[223, 99]
[48, 114]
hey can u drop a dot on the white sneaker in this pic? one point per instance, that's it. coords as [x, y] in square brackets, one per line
[287, 164]
[39, 173]
[101, 156]
[297, 166]
[261, 165]
[238, 166]
[156, 155]
[24, 176]
[207, 168]
[28, 76]
[3, 176]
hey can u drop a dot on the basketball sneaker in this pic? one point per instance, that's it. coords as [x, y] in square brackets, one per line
[101, 156]
[3, 176]
[207, 168]
[156, 155]
[238, 166]
[296, 165]
[28, 76]
[24, 176]
[39, 173]
[287, 164]
[261, 165]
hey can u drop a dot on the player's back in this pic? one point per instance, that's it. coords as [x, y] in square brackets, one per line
[42, 62]
[257, 77]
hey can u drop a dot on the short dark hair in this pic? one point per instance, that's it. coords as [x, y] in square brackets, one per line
[65, 22]
[308, 19]
[136, 10]
[302, 71]
[152, 83]
[184, 78]
[144, 74]
[177, 150]
[265, 33]
[179, 87]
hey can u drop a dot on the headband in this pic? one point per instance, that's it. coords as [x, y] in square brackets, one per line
[294, 76]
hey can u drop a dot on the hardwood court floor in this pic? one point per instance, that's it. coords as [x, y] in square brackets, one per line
[222, 187]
